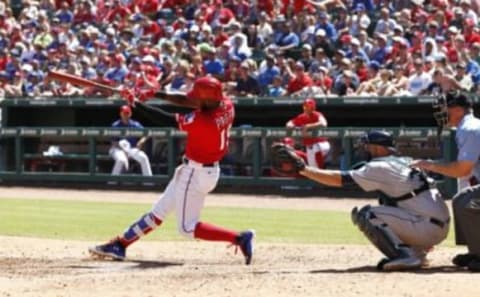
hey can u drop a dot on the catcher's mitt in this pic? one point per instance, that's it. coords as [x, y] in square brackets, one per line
[285, 161]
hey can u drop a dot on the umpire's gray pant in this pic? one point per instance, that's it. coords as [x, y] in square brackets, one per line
[466, 210]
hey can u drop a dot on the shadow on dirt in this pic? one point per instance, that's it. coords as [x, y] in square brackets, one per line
[373, 269]
[123, 265]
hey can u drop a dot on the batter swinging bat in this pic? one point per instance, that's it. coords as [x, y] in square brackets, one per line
[78, 80]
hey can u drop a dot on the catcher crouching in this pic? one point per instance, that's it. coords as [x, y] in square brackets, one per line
[412, 216]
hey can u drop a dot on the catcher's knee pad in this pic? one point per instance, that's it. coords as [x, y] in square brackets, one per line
[377, 232]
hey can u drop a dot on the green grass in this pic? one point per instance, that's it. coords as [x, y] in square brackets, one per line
[81, 220]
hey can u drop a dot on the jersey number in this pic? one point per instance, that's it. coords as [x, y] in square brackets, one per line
[224, 135]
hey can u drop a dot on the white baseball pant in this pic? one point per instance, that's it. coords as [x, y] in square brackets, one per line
[121, 160]
[186, 194]
[311, 150]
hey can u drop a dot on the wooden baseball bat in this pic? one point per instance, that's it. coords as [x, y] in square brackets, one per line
[78, 80]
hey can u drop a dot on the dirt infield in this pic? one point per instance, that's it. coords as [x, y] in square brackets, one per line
[40, 267]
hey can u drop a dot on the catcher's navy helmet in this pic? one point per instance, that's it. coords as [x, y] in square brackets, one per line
[378, 137]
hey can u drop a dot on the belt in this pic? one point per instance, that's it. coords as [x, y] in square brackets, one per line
[197, 164]
[413, 193]
[439, 223]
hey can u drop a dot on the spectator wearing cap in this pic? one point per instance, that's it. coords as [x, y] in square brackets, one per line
[65, 14]
[43, 38]
[360, 20]
[323, 81]
[118, 11]
[468, 12]
[458, 18]
[151, 29]
[15, 87]
[385, 24]
[368, 4]
[461, 76]
[360, 69]
[267, 72]
[146, 7]
[469, 33]
[246, 84]
[220, 15]
[285, 39]
[442, 63]
[300, 80]
[87, 71]
[118, 70]
[254, 40]
[345, 85]
[419, 80]
[240, 8]
[433, 29]
[325, 24]
[354, 51]
[151, 70]
[83, 13]
[473, 68]
[276, 89]
[402, 55]
[343, 18]
[321, 60]
[212, 64]
[457, 51]
[322, 42]
[365, 44]
[381, 51]
[475, 52]
[306, 58]
[182, 79]
[264, 28]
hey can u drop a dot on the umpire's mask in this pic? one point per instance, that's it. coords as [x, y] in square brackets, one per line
[443, 102]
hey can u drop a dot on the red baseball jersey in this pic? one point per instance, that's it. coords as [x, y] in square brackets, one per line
[207, 132]
[303, 119]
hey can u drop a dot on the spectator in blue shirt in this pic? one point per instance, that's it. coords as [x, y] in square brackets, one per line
[326, 25]
[368, 4]
[286, 39]
[65, 15]
[119, 70]
[267, 73]
[381, 51]
[276, 89]
[212, 64]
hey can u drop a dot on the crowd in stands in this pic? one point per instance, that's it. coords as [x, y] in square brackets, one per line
[256, 48]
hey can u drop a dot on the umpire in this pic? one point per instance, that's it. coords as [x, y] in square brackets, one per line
[454, 109]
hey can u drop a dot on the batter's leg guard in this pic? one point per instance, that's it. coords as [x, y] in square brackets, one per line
[140, 228]
[400, 256]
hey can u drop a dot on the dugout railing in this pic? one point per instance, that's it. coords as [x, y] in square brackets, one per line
[250, 153]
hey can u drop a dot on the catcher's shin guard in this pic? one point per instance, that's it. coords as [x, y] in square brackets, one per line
[142, 227]
[378, 233]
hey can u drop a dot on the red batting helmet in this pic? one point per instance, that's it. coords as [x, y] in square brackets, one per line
[126, 109]
[206, 88]
[310, 102]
